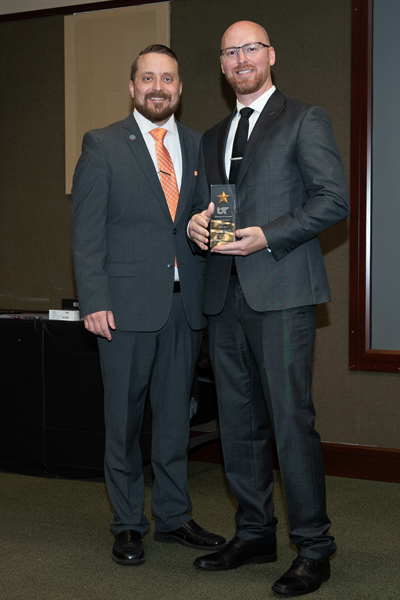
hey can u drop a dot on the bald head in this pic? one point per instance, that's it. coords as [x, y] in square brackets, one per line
[244, 30]
[248, 73]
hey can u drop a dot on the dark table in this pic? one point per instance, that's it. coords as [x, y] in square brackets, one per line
[51, 400]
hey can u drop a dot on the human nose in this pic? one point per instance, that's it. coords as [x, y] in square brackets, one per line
[241, 58]
[158, 84]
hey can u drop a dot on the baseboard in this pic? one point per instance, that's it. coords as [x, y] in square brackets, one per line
[341, 460]
[362, 462]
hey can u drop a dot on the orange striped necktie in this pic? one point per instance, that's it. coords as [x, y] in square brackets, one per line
[166, 171]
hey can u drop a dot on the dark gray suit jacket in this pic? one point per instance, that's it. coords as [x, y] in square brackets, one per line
[124, 240]
[291, 183]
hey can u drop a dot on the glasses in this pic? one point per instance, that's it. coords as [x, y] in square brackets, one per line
[246, 49]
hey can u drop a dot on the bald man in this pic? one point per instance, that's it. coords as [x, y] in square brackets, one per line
[260, 295]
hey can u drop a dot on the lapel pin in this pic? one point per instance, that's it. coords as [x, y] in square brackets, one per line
[195, 173]
[132, 137]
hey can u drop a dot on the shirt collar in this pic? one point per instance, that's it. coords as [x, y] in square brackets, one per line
[145, 125]
[259, 103]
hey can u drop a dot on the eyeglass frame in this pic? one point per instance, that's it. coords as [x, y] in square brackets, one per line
[238, 48]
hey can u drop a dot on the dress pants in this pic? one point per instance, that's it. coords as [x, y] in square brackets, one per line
[163, 362]
[262, 365]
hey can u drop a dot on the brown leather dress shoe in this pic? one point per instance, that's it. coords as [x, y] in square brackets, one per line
[128, 548]
[238, 552]
[192, 536]
[306, 575]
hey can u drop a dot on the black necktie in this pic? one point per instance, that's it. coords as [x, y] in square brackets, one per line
[239, 143]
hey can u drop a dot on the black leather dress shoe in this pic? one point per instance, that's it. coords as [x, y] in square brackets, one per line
[306, 575]
[192, 536]
[238, 552]
[128, 548]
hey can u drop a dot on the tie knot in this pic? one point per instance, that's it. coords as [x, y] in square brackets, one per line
[246, 112]
[158, 134]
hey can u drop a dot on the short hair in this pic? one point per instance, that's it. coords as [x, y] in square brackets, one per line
[159, 49]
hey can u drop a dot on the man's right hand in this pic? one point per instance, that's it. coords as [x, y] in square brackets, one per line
[198, 227]
[100, 323]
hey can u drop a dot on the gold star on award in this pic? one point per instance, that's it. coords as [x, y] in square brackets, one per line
[223, 197]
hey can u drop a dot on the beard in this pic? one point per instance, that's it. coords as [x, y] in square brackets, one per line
[155, 112]
[249, 86]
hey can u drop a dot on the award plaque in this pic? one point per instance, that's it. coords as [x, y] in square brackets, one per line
[222, 223]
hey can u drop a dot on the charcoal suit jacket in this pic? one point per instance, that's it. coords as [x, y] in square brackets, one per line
[291, 184]
[124, 240]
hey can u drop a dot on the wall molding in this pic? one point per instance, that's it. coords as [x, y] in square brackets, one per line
[70, 10]
[341, 460]
[362, 357]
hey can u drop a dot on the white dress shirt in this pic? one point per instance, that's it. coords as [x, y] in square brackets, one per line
[257, 106]
[172, 144]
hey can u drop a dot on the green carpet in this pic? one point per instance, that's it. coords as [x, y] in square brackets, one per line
[55, 543]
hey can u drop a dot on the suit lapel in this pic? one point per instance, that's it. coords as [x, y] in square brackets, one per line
[136, 143]
[221, 145]
[274, 106]
[187, 170]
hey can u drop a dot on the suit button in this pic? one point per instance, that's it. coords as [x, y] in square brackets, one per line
[170, 265]
[175, 231]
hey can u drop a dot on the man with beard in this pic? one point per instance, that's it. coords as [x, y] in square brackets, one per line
[261, 293]
[140, 291]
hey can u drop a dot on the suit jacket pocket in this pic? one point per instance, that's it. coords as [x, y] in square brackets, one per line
[121, 269]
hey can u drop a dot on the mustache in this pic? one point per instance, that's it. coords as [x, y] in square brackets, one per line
[161, 95]
[244, 66]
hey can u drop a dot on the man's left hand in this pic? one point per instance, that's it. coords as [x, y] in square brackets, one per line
[252, 240]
